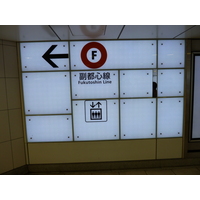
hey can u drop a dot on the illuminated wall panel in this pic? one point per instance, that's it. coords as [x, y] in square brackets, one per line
[171, 82]
[171, 53]
[97, 126]
[94, 84]
[55, 56]
[120, 54]
[170, 117]
[138, 118]
[47, 93]
[49, 128]
[136, 83]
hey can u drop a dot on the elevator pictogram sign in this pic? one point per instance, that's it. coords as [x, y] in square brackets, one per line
[94, 55]
[96, 111]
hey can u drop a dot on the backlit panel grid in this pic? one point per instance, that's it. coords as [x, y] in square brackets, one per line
[171, 54]
[47, 96]
[126, 92]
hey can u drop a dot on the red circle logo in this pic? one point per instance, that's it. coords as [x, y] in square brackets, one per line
[98, 46]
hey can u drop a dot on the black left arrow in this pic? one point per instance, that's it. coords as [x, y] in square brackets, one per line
[48, 56]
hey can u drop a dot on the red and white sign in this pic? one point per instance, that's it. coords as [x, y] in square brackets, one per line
[85, 55]
[93, 55]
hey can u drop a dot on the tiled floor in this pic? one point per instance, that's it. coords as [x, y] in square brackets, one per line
[190, 170]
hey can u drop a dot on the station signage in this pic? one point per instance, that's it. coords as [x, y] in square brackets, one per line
[44, 56]
[101, 90]
[97, 55]
[113, 54]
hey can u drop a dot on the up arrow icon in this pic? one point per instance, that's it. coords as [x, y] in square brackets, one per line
[48, 56]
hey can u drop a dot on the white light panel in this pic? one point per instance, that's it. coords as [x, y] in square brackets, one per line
[120, 54]
[94, 84]
[171, 82]
[96, 130]
[32, 60]
[136, 83]
[55, 128]
[196, 100]
[170, 117]
[171, 53]
[47, 93]
[138, 118]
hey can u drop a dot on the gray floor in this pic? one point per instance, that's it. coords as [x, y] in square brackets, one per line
[190, 170]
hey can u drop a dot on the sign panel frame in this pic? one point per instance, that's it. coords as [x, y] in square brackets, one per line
[195, 125]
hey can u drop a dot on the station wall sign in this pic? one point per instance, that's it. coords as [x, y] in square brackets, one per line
[94, 84]
[44, 56]
[103, 90]
[127, 54]
[113, 54]
[96, 119]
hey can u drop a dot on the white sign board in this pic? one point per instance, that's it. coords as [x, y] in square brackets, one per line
[171, 53]
[136, 83]
[171, 82]
[87, 128]
[44, 56]
[49, 128]
[138, 118]
[113, 54]
[94, 84]
[47, 93]
[170, 117]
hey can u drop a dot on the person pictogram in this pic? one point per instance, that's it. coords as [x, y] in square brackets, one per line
[95, 113]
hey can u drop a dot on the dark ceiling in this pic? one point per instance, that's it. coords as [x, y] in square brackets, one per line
[24, 33]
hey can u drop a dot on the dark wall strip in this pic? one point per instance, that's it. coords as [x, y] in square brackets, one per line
[121, 32]
[184, 31]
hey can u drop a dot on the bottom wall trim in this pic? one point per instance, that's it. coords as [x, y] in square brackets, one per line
[18, 171]
[193, 151]
[95, 166]
[69, 167]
